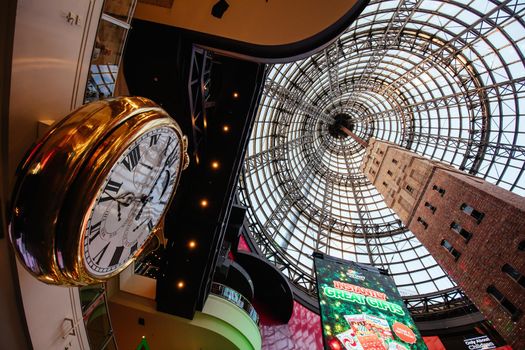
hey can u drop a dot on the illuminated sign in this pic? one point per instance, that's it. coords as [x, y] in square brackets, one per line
[361, 309]
[479, 343]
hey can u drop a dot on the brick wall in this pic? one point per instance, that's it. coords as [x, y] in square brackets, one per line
[493, 243]
[398, 175]
[440, 206]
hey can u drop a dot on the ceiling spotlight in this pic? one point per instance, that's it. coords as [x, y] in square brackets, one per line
[219, 8]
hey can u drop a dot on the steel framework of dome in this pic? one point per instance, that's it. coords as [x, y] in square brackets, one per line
[443, 79]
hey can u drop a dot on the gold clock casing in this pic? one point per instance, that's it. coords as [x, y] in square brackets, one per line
[58, 181]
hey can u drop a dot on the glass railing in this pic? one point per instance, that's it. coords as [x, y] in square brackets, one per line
[107, 54]
[236, 298]
[96, 317]
[149, 261]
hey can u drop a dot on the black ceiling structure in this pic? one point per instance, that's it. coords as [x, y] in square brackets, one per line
[214, 99]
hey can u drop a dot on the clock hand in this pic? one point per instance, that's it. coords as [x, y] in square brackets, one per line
[165, 185]
[148, 197]
[126, 198]
[145, 200]
[136, 228]
[147, 166]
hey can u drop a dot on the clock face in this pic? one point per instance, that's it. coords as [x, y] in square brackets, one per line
[131, 200]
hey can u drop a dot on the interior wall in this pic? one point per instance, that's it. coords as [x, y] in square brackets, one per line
[220, 325]
[11, 318]
[48, 69]
[256, 22]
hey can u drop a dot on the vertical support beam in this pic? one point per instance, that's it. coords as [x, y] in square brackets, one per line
[356, 138]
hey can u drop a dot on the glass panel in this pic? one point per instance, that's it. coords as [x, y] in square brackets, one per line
[119, 9]
[89, 294]
[405, 90]
[98, 326]
[236, 298]
[104, 61]
[111, 345]
[148, 262]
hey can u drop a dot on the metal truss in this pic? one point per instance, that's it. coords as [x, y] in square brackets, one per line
[424, 307]
[449, 303]
[293, 101]
[198, 92]
[264, 158]
[445, 80]
[379, 45]
[268, 247]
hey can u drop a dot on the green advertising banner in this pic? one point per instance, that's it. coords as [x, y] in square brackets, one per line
[361, 309]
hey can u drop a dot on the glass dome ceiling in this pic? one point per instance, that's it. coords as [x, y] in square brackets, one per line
[446, 80]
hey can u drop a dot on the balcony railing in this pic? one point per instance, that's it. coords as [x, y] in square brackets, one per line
[236, 298]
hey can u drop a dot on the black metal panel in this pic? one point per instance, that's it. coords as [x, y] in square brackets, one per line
[273, 297]
[160, 63]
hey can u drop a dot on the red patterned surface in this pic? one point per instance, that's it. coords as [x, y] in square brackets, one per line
[243, 246]
[303, 332]
[433, 343]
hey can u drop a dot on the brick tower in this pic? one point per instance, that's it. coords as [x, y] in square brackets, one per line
[474, 229]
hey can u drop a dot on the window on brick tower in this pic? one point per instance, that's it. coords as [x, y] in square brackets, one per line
[507, 305]
[430, 207]
[440, 190]
[409, 189]
[514, 274]
[467, 209]
[394, 161]
[389, 172]
[422, 222]
[521, 246]
[446, 244]
[385, 184]
[454, 226]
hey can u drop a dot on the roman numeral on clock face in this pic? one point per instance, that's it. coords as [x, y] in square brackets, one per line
[100, 254]
[133, 248]
[172, 180]
[116, 255]
[154, 139]
[112, 187]
[94, 232]
[132, 159]
[150, 225]
[167, 145]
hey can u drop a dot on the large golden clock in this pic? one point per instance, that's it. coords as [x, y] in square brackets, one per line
[94, 189]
